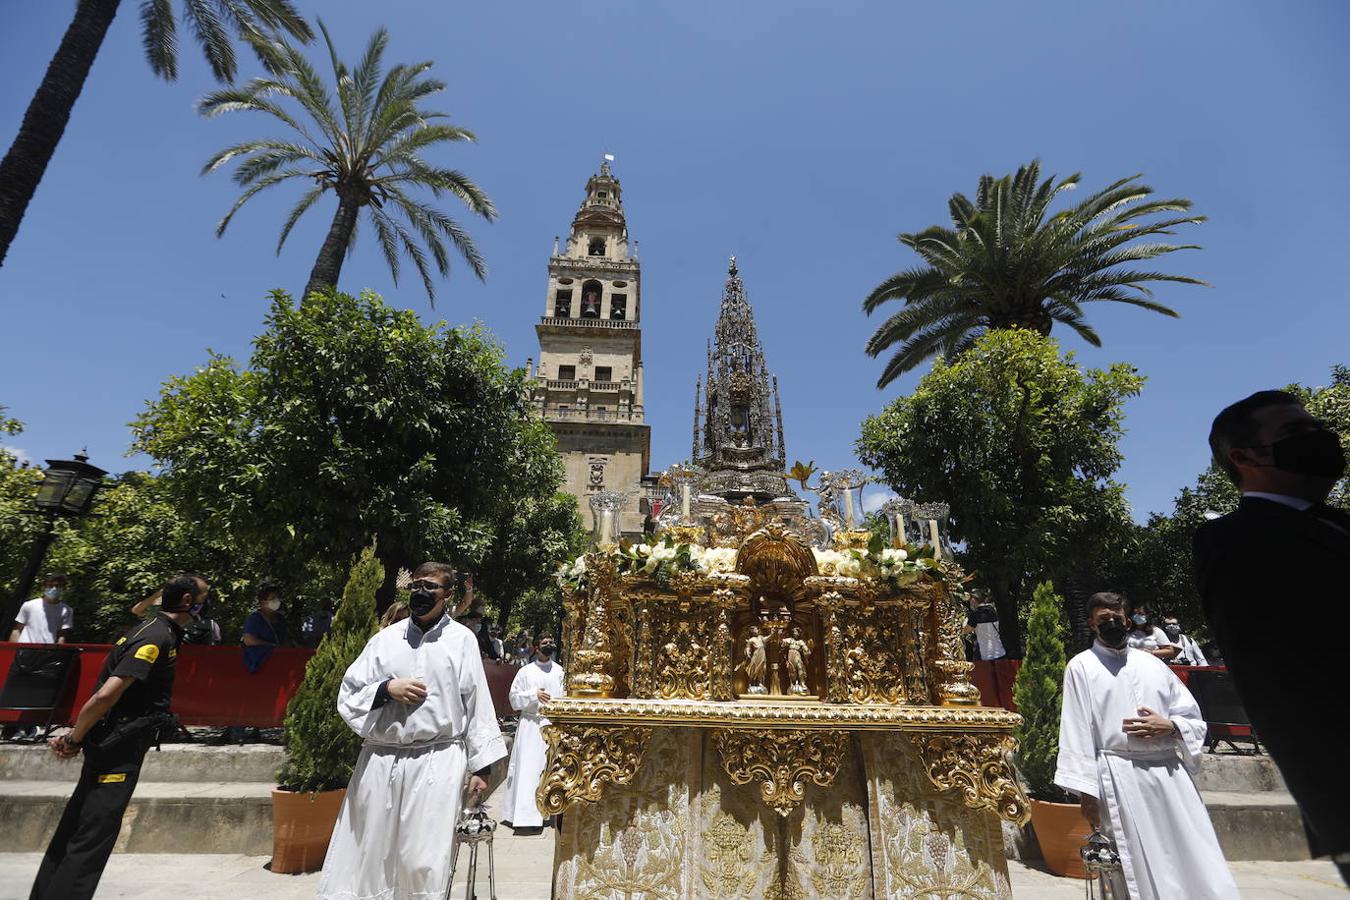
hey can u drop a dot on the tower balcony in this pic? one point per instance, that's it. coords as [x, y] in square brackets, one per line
[569, 322]
[593, 415]
[555, 384]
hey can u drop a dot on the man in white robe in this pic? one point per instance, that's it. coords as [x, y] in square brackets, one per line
[535, 683]
[1130, 738]
[418, 696]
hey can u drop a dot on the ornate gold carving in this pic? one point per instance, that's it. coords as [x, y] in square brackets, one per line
[685, 534]
[839, 853]
[776, 561]
[722, 654]
[730, 527]
[874, 670]
[945, 655]
[785, 714]
[851, 540]
[728, 853]
[978, 767]
[829, 602]
[589, 673]
[781, 761]
[583, 758]
[682, 660]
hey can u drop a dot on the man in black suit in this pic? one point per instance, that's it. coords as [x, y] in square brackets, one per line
[1284, 549]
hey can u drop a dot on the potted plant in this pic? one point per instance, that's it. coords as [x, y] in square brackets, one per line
[320, 749]
[1060, 827]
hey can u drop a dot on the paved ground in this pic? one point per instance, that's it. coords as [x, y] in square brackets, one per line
[524, 865]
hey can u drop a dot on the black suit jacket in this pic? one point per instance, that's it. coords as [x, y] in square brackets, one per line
[1267, 563]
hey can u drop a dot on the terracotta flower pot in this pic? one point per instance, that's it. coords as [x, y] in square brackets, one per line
[1061, 831]
[302, 825]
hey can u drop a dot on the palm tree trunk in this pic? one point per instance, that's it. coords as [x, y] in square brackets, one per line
[45, 120]
[328, 266]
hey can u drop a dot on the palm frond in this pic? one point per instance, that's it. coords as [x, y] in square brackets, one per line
[370, 135]
[159, 36]
[1008, 260]
[297, 211]
[203, 20]
[252, 191]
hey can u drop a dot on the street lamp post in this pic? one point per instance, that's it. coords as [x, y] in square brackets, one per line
[67, 489]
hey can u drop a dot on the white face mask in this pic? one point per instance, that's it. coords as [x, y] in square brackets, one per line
[273, 605]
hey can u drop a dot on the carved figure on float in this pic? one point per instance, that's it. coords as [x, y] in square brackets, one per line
[798, 652]
[756, 661]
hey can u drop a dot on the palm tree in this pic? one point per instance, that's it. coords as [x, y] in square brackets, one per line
[1004, 264]
[367, 151]
[210, 22]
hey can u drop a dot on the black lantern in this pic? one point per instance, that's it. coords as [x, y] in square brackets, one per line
[67, 489]
[68, 486]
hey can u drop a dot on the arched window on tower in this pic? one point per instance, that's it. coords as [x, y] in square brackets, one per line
[590, 300]
[597, 247]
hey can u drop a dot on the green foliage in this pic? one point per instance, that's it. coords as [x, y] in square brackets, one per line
[1023, 445]
[1007, 262]
[367, 150]
[1038, 691]
[321, 749]
[20, 523]
[210, 24]
[355, 419]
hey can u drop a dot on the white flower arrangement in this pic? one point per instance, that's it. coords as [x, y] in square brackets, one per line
[659, 560]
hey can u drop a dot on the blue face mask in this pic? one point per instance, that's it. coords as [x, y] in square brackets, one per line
[52, 593]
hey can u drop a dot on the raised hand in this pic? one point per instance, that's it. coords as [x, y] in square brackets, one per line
[407, 690]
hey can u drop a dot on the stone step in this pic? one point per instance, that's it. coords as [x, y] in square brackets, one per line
[164, 817]
[1257, 824]
[1250, 825]
[196, 816]
[249, 763]
[1231, 772]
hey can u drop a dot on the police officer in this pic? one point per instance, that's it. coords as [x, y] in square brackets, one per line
[114, 729]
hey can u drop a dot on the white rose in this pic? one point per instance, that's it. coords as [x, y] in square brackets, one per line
[892, 556]
[579, 567]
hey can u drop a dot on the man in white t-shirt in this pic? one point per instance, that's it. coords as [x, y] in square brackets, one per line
[45, 619]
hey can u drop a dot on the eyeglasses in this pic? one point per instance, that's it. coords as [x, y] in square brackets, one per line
[426, 585]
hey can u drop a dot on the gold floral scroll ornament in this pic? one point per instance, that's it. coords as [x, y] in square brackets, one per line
[781, 761]
[582, 759]
[977, 766]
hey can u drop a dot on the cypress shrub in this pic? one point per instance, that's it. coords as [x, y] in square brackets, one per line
[321, 749]
[1038, 691]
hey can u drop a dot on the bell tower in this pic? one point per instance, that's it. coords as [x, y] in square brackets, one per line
[588, 386]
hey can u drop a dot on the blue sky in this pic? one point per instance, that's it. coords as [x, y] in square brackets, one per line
[800, 137]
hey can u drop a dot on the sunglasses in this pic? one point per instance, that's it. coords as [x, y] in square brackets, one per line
[426, 585]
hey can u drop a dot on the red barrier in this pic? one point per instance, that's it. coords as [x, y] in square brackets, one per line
[212, 687]
[995, 679]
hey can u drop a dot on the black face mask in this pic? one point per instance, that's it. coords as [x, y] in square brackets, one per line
[1317, 453]
[547, 651]
[1172, 631]
[1112, 633]
[421, 602]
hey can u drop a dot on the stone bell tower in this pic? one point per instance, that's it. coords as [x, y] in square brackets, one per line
[588, 386]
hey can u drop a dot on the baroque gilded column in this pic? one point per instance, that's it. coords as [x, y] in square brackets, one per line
[836, 657]
[590, 663]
